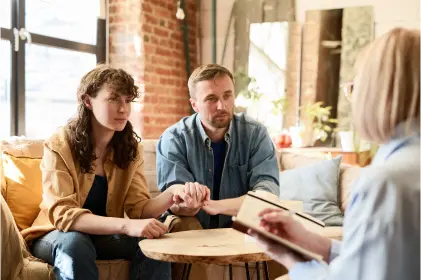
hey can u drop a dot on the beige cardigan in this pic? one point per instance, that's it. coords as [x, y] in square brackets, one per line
[65, 188]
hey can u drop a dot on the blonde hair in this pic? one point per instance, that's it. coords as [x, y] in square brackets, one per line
[205, 73]
[387, 85]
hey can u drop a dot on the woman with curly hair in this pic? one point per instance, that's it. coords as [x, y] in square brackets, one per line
[92, 173]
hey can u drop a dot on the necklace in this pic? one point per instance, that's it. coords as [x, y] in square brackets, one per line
[102, 153]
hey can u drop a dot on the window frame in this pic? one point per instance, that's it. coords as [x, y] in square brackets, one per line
[17, 77]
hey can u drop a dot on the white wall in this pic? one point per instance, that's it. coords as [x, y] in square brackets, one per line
[222, 18]
[387, 13]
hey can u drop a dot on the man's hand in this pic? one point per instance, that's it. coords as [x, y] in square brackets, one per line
[212, 207]
[191, 195]
[227, 207]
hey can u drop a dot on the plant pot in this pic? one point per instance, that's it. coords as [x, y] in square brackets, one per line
[298, 136]
[348, 141]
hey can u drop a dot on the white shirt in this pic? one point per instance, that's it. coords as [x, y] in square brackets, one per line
[381, 238]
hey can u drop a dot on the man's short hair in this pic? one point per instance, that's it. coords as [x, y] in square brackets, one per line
[205, 73]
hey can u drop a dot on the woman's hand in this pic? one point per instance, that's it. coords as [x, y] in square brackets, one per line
[149, 228]
[276, 251]
[281, 223]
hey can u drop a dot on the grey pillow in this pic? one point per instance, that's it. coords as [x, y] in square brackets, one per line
[317, 186]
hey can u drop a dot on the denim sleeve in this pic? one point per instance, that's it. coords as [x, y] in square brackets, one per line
[263, 169]
[171, 162]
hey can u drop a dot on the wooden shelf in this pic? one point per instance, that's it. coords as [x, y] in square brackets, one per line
[362, 158]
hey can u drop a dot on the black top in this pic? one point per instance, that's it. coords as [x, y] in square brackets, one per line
[97, 197]
[218, 164]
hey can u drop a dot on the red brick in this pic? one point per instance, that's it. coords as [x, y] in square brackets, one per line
[163, 13]
[161, 70]
[155, 79]
[161, 32]
[179, 45]
[146, 7]
[176, 36]
[171, 25]
[112, 9]
[170, 82]
[147, 28]
[149, 49]
[163, 51]
[151, 19]
[176, 52]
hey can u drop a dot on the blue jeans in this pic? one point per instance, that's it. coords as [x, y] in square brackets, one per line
[73, 255]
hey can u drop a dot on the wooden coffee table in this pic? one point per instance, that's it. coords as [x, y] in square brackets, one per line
[211, 246]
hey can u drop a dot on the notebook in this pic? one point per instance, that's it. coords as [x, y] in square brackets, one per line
[247, 217]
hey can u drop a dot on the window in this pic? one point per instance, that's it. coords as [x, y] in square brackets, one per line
[266, 67]
[46, 47]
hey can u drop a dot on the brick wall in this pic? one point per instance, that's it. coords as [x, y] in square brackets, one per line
[146, 39]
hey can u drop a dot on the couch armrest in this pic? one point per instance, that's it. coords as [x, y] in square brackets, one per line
[13, 247]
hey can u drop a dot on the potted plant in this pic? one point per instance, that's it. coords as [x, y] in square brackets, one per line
[264, 108]
[322, 124]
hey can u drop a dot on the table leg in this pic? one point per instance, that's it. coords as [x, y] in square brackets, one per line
[188, 271]
[247, 271]
[230, 270]
[257, 271]
[266, 270]
[183, 276]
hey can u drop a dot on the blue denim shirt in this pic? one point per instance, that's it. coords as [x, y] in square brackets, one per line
[184, 154]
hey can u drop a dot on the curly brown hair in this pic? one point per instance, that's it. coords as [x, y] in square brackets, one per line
[125, 142]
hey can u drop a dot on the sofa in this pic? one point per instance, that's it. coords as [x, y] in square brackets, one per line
[21, 194]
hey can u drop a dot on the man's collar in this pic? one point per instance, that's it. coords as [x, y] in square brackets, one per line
[205, 138]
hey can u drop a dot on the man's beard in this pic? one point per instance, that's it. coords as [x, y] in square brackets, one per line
[221, 123]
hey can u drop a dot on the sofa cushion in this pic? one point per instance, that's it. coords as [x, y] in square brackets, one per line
[291, 160]
[317, 186]
[23, 191]
[19, 147]
[149, 157]
[348, 176]
[348, 173]
[23, 147]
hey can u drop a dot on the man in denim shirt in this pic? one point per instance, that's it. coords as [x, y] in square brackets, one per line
[230, 154]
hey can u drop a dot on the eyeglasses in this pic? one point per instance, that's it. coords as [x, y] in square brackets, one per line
[347, 88]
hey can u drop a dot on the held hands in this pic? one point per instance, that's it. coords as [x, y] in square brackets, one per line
[191, 195]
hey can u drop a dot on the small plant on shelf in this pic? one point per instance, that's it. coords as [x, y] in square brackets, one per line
[322, 123]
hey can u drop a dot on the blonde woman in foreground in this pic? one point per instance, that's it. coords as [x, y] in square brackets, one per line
[382, 223]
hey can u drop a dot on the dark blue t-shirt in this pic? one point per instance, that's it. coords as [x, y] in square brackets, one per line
[218, 164]
[97, 196]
